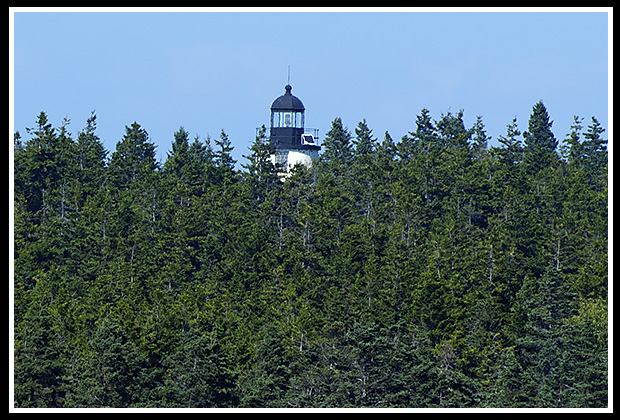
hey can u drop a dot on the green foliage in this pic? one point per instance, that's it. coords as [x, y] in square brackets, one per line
[198, 374]
[435, 271]
[265, 382]
[109, 374]
[134, 158]
[540, 143]
[338, 150]
[40, 362]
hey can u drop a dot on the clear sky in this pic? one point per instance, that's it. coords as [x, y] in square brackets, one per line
[208, 69]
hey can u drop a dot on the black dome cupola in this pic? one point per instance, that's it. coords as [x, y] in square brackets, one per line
[288, 102]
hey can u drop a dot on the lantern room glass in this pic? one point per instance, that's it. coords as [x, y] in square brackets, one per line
[288, 119]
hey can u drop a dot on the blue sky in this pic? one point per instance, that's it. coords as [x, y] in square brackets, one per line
[208, 69]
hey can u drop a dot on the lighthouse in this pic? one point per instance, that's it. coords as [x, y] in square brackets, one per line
[291, 142]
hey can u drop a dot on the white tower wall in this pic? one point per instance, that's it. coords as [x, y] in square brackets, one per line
[294, 157]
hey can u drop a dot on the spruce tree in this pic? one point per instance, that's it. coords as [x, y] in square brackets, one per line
[583, 365]
[546, 304]
[422, 140]
[540, 143]
[572, 151]
[40, 361]
[595, 153]
[338, 148]
[364, 142]
[108, 375]
[134, 158]
[511, 151]
[222, 156]
[91, 157]
[197, 374]
[452, 132]
[179, 154]
[479, 139]
[265, 383]
[262, 174]
[45, 163]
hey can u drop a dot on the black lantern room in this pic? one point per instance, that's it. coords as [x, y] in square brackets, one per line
[287, 124]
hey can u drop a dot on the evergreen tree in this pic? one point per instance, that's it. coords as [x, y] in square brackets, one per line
[452, 132]
[201, 165]
[45, 164]
[540, 143]
[480, 140]
[546, 305]
[197, 375]
[179, 155]
[91, 157]
[338, 148]
[187, 168]
[387, 150]
[262, 173]
[584, 366]
[266, 381]
[595, 153]
[512, 150]
[422, 140]
[134, 158]
[508, 382]
[573, 150]
[222, 156]
[425, 130]
[364, 142]
[39, 363]
[109, 374]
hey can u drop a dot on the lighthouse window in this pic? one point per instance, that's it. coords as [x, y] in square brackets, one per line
[288, 119]
[282, 119]
[299, 120]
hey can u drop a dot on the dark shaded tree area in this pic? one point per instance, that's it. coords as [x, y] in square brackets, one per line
[435, 271]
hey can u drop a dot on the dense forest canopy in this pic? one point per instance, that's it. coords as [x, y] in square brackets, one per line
[432, 271]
